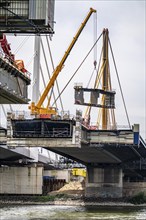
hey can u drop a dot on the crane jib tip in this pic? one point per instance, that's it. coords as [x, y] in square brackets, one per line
[93, 10]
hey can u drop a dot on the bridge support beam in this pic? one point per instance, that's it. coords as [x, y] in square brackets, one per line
[104, 182]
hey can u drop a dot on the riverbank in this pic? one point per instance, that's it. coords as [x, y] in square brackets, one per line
[66, 201]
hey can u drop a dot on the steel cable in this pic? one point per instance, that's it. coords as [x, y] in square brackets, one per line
[53, 70]
[78, 68]
[119, 84]
[21, 44]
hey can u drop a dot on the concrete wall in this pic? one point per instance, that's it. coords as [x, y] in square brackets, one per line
[21, 180]
[58, 174]
[133, 188]
[104, 183]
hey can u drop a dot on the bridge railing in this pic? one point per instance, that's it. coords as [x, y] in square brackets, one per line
[63, 115]
[94, 126]
[54, 133]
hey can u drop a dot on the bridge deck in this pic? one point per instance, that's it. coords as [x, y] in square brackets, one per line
[97, 147]
[89, 147]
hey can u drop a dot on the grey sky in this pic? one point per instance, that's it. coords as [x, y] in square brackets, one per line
[126, 23]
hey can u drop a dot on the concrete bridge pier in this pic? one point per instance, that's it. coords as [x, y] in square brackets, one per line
[104, 182]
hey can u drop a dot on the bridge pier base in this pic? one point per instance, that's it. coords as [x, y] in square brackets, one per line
[104, 183]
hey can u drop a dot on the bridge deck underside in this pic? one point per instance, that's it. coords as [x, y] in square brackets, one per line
[7, 155]
[102, 155]
[105, 154]
[86, 155]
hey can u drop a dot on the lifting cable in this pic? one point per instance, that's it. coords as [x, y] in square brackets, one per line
[95, 37]
[97, 80]
[44, 83]
[53, 70]
[78, 68]
[90, 79]
[95, 48]
[119, 84]
[88, 110]
[31, 59]
[42, 75]
[44, 54]
[21, 44]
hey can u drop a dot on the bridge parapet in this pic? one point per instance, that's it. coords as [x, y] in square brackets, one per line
[111, 136]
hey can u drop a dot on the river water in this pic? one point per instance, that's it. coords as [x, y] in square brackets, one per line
[48, 212]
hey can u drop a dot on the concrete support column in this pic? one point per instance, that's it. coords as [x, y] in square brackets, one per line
[104, 182]
[21, 180]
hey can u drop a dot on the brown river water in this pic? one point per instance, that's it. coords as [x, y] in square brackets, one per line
[54, 212]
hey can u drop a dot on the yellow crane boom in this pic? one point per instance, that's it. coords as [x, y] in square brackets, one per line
[38, 109]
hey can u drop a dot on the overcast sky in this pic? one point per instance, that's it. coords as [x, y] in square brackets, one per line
[126, 23]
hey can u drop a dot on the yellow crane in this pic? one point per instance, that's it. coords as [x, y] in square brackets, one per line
[37, 109]
[106, 115]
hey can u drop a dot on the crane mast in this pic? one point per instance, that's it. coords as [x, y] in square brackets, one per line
[38, 109]
[102, 98]
[105, 78]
